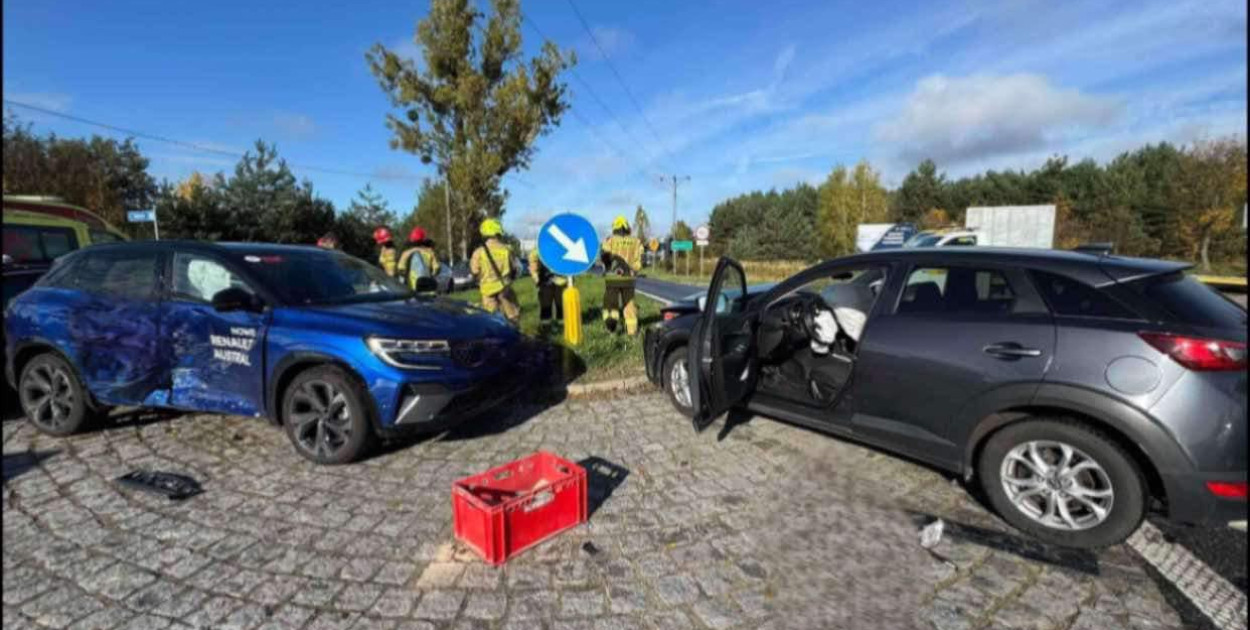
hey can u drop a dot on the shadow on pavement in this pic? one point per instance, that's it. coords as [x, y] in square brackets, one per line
[1080, 560]
[132, 417]
[17, 464]
[602, 479]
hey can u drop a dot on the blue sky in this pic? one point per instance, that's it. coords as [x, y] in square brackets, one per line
[739, 95]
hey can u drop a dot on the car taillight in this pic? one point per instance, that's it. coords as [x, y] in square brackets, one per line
[1227, 489]
[1199, 353]
[669, 315]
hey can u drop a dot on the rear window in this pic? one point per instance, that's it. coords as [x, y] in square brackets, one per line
[1191, 302]
[34, 244]
[1069, 297]
[125, 275]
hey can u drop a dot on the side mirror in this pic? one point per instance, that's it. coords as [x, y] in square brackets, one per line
[426, 283]
[234, 299]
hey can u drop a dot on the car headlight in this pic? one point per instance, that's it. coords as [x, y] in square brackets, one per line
[409, 353]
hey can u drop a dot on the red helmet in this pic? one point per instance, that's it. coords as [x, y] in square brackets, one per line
[417, 235]
[381, 235]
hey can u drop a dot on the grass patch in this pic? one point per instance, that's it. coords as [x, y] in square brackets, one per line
[606, 355]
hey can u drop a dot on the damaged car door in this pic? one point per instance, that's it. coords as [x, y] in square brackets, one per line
[215, 326]
[722, 354]
[113, 318]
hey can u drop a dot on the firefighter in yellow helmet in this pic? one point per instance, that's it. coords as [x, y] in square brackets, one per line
[492, 264]
[622, 258]
[549, 286]
[418, 260]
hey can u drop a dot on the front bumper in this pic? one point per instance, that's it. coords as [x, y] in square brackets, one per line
[1190, 503]
[430, 407]
[650, 353]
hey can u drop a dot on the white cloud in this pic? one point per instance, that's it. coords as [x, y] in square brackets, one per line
[956, 119]
[614, 41]
[295, 126]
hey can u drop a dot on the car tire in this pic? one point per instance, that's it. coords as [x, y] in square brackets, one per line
[672, 375]
[325, 416]
[1095, 498]
[53, 398]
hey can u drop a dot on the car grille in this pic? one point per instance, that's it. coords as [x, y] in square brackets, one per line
[477, 352]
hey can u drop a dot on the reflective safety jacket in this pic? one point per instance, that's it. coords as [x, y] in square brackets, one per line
[427, 265]
[386, 258]
[540, 273]
[619, 250]
[488, 280]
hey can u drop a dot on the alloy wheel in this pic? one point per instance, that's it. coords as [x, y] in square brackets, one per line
[1057, 485]
[322, 418]
[47, 396]
[679, 382]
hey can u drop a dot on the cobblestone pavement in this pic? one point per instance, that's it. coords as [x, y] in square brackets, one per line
[770, 527]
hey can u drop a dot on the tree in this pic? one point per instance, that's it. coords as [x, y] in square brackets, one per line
[1212, 184]
[101, 174]
[372, 209]
[264, 201]
[846, 199]
[475, 107]
[682, 231]
[431, 214]
[922, 191]
[642, 223]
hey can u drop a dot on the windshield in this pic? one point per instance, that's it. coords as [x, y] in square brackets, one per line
[321, 277]
[923, 239]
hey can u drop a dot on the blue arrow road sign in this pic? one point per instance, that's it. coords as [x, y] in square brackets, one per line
[567, 244]
[141, 216]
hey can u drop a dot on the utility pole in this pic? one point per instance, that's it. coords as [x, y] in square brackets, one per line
[451, 246]
[674, 179]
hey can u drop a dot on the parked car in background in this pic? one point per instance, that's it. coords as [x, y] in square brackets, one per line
[461, 277]
[38, 229]
[322, 344]
[1081, 391]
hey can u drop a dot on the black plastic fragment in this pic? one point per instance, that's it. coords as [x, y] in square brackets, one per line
[176, 487]
[590, 548]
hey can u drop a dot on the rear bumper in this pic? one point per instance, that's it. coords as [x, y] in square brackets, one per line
[1191, 503]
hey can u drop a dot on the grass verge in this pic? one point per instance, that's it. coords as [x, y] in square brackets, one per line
[605, 355]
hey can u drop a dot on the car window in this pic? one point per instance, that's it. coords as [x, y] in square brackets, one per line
[1191, 302]
[957, 290]
[320, 277]
[1069, 297]
[129, 275]
[847, 288]
[961, 241]
[35, 244]
[199, 278]
[104, 236]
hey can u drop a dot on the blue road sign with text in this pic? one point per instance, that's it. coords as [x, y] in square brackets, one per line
[141, 216]
[568, 244]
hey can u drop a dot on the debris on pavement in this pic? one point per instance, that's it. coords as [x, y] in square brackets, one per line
[931, 535]
[590, 548]
[173, 485]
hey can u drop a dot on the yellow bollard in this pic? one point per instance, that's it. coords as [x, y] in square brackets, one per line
[572, 299]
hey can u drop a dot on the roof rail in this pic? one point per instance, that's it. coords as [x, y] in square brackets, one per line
[1100, 249]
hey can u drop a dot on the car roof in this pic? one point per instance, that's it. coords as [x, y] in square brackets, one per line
[1090, 268]
[210, 247]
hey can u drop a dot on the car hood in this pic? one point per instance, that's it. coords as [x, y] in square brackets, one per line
[419, 317]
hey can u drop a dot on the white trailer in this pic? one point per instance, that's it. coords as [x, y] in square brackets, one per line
[1013, 226]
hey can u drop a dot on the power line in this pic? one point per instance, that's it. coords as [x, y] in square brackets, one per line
[203, 149]
[589, 90]
[619, 79]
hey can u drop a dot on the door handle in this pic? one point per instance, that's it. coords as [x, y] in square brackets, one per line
[1011, 351]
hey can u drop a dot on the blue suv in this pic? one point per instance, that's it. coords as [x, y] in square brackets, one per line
[321, 343]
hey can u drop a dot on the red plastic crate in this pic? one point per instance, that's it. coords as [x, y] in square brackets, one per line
[509, 508]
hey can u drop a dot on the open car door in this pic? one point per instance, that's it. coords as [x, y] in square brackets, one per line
[722, 357]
